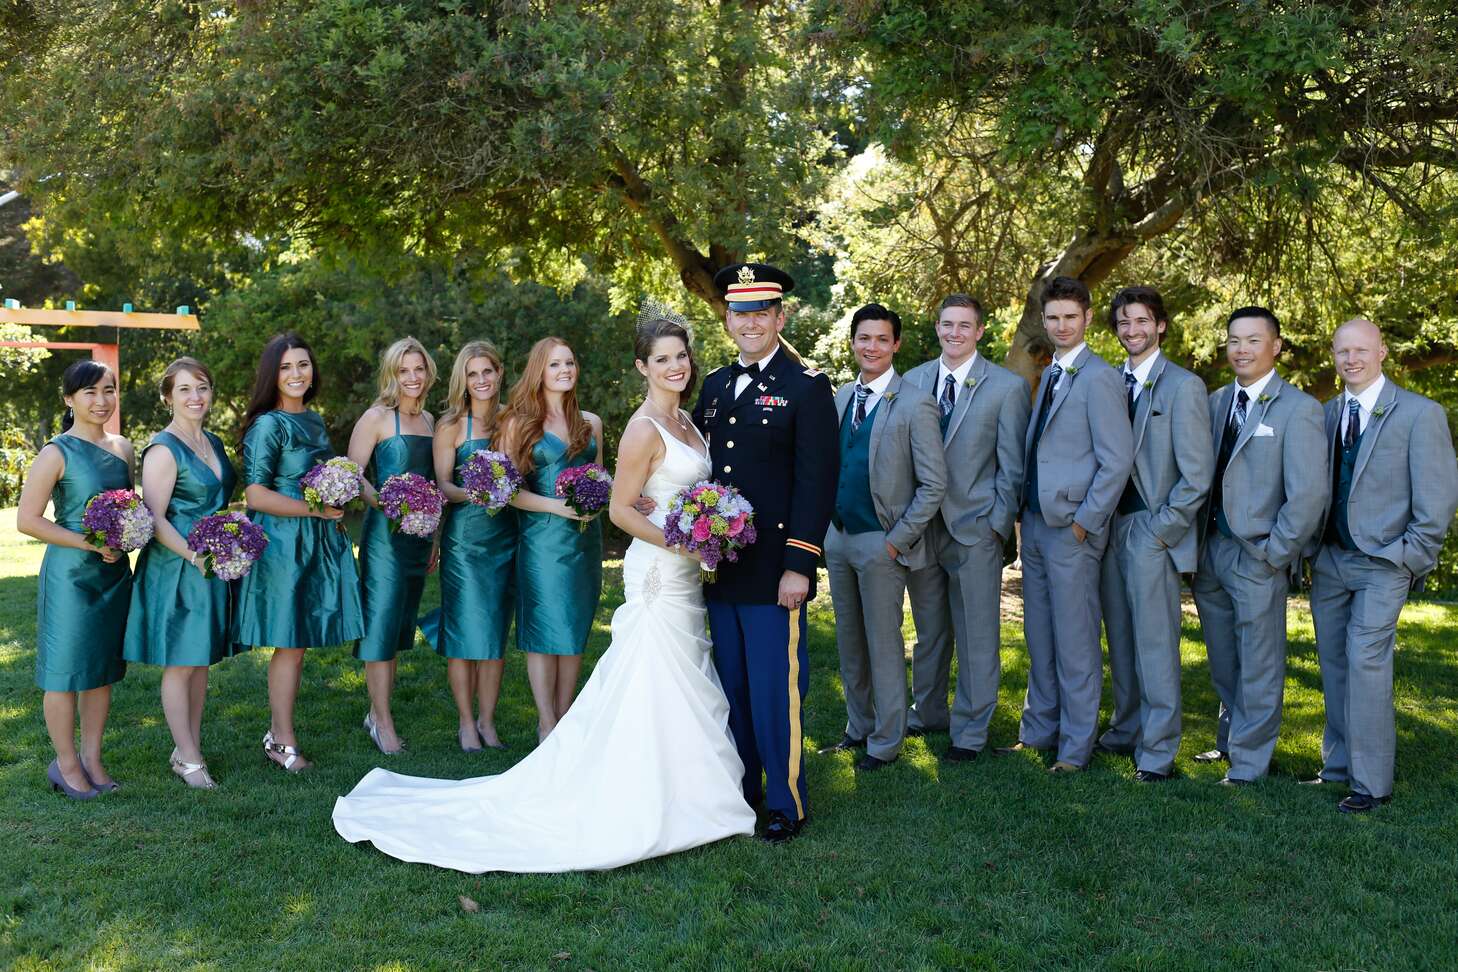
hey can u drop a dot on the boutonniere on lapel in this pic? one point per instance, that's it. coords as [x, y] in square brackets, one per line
[1262, 398]
[1379, 411]
[1073, 370]
[1148, 384]
[970, 383]
[889, 396]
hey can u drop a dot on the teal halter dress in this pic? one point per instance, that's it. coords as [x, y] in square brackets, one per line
[178, 616]
[477, 551]
[392, 565]
[558, 565]
[304, 590]
[81, 600]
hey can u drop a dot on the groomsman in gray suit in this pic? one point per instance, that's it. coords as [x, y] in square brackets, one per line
[1265, 505]
[956, 599]
[1153, 539]
[1394, 492]
[1079, 451]
[892, 476]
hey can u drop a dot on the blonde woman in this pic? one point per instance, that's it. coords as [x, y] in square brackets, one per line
[477, 551]
[393, 436]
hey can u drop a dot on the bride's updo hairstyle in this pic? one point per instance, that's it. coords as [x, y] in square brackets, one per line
[652, 331]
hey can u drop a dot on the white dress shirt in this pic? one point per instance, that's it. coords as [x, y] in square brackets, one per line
[1141, 373]
[1252, 391]
[877, 389]
[1066, 361]
[959, 376]
[1365, 401]
[742, 382]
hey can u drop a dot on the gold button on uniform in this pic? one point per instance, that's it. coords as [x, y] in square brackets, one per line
[779, 526]
[727, 469]
[764, 421]
[732, 420]
[729, 444]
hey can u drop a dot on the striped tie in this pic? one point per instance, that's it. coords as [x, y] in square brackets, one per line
[1354, 423]
[860, 413]
[948, 400]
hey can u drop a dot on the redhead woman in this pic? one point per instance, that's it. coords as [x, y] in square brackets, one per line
[393, 436]
[304, 591]
[179, 616]
[84, 591]
[558, 564]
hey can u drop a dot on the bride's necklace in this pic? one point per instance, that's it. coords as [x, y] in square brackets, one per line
[677, 418]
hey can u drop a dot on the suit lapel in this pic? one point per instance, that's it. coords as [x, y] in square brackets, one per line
[1061, 393]
[882, 418]
[843, 399]
[1144, 404]
[964, 396]
[1254, 421]
[1220, 414]
[1386, 402]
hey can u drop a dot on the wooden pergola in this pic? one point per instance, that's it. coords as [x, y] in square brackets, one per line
[107, 354]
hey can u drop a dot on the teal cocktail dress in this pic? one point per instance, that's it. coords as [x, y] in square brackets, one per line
[81, 600]
[304, 590]
[178, 616]
[392, 565]
[476, 581]
[558, 565]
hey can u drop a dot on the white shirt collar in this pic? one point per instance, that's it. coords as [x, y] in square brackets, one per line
[1254, 389]
[1141, 373]
[959, 376]
[1368, 399]
[878, 386]
[1067, 359]
[763, 363]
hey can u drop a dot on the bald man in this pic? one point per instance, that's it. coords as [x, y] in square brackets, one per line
[1394, 492]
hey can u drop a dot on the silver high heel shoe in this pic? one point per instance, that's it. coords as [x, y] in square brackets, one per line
[374, 731]
[59, 784]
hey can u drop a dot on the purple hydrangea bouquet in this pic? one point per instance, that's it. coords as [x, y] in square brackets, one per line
[335, 483]
[490, 479]
[227, 544]
[412, 504]
[710, 519]
[586, 489]
[117, 519]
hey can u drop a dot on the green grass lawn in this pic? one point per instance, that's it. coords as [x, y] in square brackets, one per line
[989, 865]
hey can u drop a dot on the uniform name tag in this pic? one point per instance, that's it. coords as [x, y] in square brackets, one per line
[773, 400]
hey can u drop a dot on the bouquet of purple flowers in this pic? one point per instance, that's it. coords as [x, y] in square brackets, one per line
[412, 504]
[712, 520]
[490, 479]
[586, 489]
[227, 544]
[335, 483]
[117, 519]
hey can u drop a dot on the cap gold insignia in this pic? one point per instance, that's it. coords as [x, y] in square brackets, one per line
[746, 275]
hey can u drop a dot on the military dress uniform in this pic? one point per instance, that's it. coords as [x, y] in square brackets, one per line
[775, 441]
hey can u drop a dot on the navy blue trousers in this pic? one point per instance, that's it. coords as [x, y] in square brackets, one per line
[760, 654]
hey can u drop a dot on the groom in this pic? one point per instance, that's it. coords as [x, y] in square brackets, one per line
[771, 427]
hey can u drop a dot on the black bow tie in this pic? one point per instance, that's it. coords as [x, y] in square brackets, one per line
[738, 368]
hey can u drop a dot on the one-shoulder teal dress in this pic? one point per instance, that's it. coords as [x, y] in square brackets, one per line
[81, 600]
[178, 616]
[476, 582]
[558, 565]
[304, 590]
[392, 565]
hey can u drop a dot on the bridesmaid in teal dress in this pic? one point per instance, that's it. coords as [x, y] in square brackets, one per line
[83, 591]
[558, 565]
[477, 550]
[304, 591]
[393, 436]
[179, 617]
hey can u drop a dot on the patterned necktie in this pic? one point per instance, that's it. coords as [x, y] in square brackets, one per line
[1354, 422]
[1241, 400]
[1129, 385]
[1053, 378]
[948, 400]
[862, 391]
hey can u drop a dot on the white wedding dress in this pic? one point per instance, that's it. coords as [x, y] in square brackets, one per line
[641, 765]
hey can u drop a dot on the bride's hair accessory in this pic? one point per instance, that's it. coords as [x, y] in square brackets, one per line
[651, 311]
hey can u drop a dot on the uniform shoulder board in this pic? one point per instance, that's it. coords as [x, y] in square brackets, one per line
[812, 372]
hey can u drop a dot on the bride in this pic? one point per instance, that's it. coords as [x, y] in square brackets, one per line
[642, 764]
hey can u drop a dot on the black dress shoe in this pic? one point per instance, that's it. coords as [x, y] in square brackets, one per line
[846, 742]
[1231, 781]
[781, 828]
[1361, 803]
[1150, 776]
[956, 754]
[870, 764]
[1212, 756]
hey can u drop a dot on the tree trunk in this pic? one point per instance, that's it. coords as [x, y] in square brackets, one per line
[1090, 257]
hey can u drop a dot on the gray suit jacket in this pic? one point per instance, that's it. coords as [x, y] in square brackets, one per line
[984, 447]
[1087, 449]
[1173, 461]
[1405, 484]
[907, 467]
[1277, 482]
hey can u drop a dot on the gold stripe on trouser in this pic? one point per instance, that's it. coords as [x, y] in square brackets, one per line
[795, 742]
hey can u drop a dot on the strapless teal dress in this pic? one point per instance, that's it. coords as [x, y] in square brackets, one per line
[304, 590]
[178, 616]
[81, 600]
[476, 582]
[558, 565]
[392, 565]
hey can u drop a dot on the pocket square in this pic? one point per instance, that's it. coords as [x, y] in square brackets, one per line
[1262, 429]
